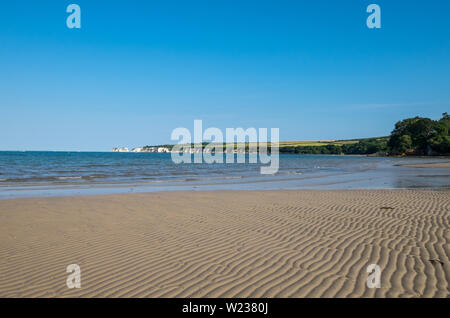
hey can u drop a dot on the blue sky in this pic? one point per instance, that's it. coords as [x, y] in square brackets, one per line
[138, 69]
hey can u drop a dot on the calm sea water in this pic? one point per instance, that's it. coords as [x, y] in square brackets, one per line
[71, 173]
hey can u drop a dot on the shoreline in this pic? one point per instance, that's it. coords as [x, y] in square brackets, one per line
[427, 165]
[164, 192]
[83, 174]
[284, 243]
[337, 182]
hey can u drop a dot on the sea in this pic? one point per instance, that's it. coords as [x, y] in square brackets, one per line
[43, 174]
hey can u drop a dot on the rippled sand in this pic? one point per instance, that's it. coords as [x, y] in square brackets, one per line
[230, 244]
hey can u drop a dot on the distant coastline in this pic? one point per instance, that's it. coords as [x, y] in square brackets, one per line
[417, 137]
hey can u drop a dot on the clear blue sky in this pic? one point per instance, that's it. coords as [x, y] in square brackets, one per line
[138, 69]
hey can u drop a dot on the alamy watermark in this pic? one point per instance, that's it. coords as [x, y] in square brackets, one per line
[239, 144]
[73, 21]
[373, 21]
[74, 279]
[374, 279]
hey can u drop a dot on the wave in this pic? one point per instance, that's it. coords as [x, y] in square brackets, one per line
[44, 179]
[290, 173]
[210, 178]
[95, 176]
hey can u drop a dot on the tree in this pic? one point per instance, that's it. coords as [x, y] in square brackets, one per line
[423, 136]
[405, 144]
[445, 121]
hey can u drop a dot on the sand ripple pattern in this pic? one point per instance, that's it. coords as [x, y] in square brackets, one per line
[228, 244]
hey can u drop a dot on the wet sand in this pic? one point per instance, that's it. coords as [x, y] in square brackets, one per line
[429, 165]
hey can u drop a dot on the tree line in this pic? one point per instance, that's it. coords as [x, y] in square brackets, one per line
[421, 136]
[412, 136]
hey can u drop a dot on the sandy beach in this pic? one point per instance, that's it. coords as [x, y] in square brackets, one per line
[228, 244]
[429, 165]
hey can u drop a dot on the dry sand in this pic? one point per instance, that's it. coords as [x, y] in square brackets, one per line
[244, 244]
